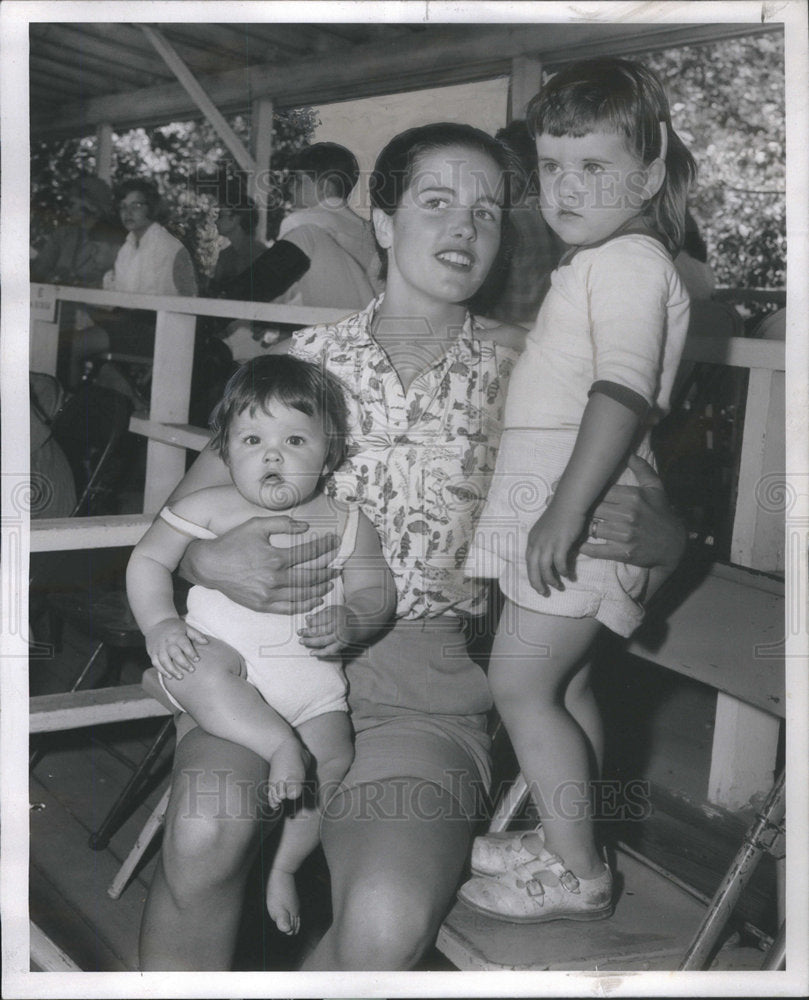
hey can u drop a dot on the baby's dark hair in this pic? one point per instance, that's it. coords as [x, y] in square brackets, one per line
[291, 382]
[625, 97]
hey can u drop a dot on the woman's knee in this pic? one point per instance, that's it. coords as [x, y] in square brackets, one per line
[383, 925]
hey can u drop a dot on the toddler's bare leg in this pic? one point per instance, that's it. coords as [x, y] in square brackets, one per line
[328, 738]
[222, 701]
[534, 659]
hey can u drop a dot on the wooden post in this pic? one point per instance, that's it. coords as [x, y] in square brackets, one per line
[171, 394]
[526, 79]
[104, 152]
[743, 754]
[260, 188]
[758, 527]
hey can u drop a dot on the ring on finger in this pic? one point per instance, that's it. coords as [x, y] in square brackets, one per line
[594, 528]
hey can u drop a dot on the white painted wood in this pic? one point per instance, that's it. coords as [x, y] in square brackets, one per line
[171, 393]
[50, 713]
[104, 151]
[738, 352]
[743, 753]
[526, 79]
[198, 95]
[47, 956]
[60, 534]
[758, 527]
[179, 435]
[43, 346]
[259, 186]
[269, 312]
[150, 829]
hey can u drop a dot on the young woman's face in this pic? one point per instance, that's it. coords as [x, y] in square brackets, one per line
[444, 236]
[590, 185]
[134, 213]
[226, 221]
[276, 459]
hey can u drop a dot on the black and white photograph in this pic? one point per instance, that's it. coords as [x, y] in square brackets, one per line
[300, 302]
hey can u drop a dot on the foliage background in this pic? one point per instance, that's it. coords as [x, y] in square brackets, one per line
[728, 105]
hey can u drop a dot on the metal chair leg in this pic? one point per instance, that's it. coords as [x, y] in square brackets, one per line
[777, 956]
[99, 840]
[766, 824]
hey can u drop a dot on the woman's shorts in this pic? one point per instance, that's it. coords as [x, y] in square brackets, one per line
[399, 690]
[529, 463]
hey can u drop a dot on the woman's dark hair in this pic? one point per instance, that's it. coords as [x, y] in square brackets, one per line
[328, 161]
[624, 97]
[393, 174]
[291, 382]
[146, 188]
[233, 198]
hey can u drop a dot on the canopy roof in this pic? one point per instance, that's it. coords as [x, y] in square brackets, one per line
[85, 74]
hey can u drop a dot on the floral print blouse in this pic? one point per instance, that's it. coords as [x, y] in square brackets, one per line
[419, 462]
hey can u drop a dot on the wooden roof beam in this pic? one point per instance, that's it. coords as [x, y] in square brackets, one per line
[200, 98]
[440, 57]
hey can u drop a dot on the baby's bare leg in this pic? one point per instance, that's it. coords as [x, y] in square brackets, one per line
[224, 703]
[329, 739]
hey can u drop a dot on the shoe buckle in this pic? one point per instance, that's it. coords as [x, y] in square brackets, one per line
[535, 888]
[569, 881]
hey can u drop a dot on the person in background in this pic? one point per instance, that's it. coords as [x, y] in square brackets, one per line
[68, 256]
[151, 261]
[237, 222]
[337, 242]
[537, 248]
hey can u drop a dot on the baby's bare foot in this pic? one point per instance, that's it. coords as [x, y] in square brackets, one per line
[282, 901]
[288, 766]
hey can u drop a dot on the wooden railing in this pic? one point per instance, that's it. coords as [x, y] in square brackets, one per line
[726, 633]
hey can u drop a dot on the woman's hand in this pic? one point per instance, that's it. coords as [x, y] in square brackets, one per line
[246, 567]
[170, 645]
[550, 547]
[636, 525]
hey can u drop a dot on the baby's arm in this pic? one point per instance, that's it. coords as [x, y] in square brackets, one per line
[169, 641]
[370, 600]
[605, 435]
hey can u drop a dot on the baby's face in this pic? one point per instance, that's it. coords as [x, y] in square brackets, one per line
[276, 458]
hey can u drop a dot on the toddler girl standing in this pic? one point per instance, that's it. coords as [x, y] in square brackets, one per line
[596, 372]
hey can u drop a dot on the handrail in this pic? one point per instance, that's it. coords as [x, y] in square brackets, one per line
[270, 312]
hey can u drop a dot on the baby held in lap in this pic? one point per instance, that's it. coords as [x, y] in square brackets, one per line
[272, 683]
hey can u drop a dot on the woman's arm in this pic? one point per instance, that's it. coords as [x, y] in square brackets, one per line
[369, 605]
[244, 564]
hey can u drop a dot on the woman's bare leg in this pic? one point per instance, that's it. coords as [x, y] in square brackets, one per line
[195, 901]
[395, 851]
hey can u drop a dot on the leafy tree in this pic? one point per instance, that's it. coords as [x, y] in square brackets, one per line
[728, 104]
